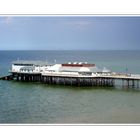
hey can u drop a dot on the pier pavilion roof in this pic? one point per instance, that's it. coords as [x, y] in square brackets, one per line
[69, 69]
[79, 69]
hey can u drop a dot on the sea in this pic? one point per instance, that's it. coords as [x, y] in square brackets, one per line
[36, 103]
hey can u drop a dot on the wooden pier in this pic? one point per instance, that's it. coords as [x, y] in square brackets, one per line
[71, 73]
[78, 81]
[92, 81]
[125, 80]
[27, 77]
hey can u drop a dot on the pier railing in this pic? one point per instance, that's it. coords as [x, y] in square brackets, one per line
[122, 76]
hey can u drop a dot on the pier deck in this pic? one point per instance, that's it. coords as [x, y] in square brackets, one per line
[113, 76]
[77, 79]
[92, 80]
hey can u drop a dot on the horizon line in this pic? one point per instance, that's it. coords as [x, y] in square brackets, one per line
[73, 50]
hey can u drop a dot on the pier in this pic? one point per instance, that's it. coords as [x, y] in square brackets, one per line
[74, 74]
[100, 80]
[35, 77]
[77, 80]
[127, 80]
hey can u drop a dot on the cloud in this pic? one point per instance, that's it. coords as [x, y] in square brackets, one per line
[79, 23]
[7, 20]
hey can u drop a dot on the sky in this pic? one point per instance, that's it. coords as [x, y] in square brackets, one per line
[69, 33]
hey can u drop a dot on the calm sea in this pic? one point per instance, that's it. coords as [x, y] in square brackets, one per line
[22, 102]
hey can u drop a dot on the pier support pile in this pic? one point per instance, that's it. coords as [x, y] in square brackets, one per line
[78, 81]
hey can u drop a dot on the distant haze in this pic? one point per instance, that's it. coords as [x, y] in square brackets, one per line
[69, 33]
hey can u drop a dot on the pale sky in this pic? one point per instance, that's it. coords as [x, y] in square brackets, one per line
[69, 33]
